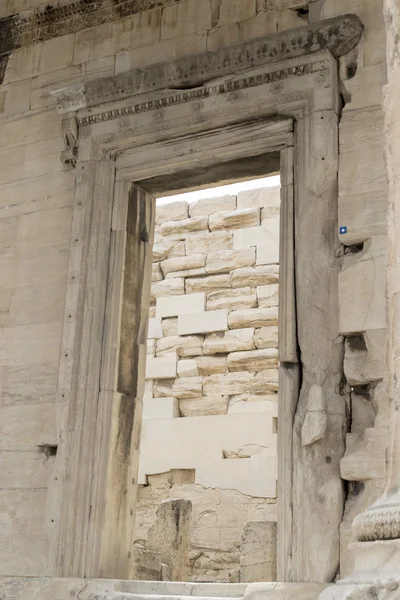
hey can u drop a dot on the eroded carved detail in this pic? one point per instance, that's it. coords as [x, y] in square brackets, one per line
[377, 523]
[337, 35]
[45, 23]
[69, 128]
[205, 92]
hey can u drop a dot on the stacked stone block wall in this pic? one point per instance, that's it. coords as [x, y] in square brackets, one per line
[36, 203]
[210, 407]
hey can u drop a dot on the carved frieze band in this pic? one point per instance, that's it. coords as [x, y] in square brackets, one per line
[377, 523]
[60, 18]
[337, 35]
[207, 91]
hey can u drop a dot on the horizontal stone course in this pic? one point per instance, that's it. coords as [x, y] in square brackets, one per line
[182, 264]
[230, 341]
[225, 261]
[172, 211]
[206, 322]
[253, 360]
[184, 346]
[210, 282]
[180, 305]
[255, 276]
[209, 206]
[254, 317]
[247, 217]
[184, 227]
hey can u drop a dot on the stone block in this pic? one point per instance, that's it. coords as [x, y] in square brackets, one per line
[185, 227]
[362, 288]
[254, 317]
[162, 388]
[258, 552]
[205, 322]
[170, 536]
[155, 329]
[268, 295]
[151, 347]
[247, 217]
[204, 406]
[168, 249]
[255, 276]
[227, 260]
[210, 282]
[169, 326]
[156, 274]
[183, 346]
[208, 241]
[208, 365]
[209, 206]
[170, 287]
[264, 382]
[160, 408]
[161, 367]
[264, 237]
[243, 406]
[232, 299]
[231, 341]
[228, 384]
[172, 211]
[187, 387]
[266, 337]
[182, 264]
[259, 198]
[180, 305]
[187, 368]
[253, 360]
[183, 18]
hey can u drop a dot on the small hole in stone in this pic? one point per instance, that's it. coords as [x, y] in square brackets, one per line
[328, 460]
[48, 450]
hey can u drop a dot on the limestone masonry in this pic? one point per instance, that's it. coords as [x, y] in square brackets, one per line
[140, 354]
[212, 358]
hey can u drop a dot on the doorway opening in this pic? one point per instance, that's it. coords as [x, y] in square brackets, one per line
[207, 498]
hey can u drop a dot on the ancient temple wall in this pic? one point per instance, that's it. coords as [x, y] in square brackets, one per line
[36, 198]
[210, 408]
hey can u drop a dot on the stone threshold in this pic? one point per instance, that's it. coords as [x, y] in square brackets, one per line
[48, 588]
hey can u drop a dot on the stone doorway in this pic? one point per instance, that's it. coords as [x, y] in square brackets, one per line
[138, 138]
[210, 415]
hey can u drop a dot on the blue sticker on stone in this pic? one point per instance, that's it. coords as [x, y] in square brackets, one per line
[342, 229]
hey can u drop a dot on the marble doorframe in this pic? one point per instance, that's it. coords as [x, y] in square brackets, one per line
[119, 133]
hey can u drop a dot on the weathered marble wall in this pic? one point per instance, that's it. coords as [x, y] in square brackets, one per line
[36, 197]
[210, 405]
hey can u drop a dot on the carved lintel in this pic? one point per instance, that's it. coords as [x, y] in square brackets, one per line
[338, 35]
[69, 127]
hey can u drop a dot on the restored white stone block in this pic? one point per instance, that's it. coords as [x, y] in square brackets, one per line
[180, 305]
[205, 322]
[362, 288]
[155, 329]
[160, 408]
[187, 368]
[161, 368]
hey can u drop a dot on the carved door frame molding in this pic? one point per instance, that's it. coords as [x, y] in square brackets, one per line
[117, 133]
